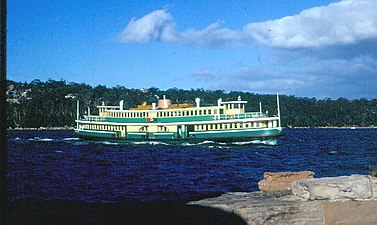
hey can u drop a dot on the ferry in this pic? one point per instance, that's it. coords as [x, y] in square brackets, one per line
[224, 122]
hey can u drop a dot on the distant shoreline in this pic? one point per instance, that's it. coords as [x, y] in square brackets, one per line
[333, 127]
[42, 128]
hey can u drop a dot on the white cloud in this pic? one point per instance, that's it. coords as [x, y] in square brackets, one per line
[155, 25]
[213, 36]
[327, 51]
[159, 25]
[340, 23]
[345, 22]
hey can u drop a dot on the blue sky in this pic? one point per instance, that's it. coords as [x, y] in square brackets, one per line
[305, 48]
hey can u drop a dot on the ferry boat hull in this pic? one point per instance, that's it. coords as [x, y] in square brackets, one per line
[222, 136]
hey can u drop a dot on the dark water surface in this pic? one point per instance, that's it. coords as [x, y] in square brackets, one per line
[57, 166]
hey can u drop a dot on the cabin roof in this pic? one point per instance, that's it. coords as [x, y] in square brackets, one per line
[234, 102]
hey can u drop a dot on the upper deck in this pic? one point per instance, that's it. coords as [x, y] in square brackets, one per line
[166, 112]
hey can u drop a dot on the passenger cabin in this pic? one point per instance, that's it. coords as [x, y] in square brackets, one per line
[233, 107]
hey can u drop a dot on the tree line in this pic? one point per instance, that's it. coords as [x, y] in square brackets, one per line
[53, 104]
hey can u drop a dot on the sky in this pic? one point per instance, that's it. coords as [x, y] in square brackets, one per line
[321, 49]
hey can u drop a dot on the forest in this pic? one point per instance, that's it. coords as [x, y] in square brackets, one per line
[53, 104]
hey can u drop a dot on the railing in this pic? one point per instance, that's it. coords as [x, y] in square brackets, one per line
[240, 116]
[215, 117]
[94, 118]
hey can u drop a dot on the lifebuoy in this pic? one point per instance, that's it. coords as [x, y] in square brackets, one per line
[149, 119]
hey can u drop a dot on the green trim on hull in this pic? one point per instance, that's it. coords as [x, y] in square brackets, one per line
[99, 134]
[224, 136]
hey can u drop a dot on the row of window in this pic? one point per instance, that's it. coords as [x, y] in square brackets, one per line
[235, 106]
[188, 113]
[128, 114]
[197, 112]
[120, 128]
[224, 126]
[104, 127]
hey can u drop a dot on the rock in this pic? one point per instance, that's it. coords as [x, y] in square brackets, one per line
[282, 181]
[350, 212]
[268, 208]
[338, 200]
[343, 187]
[285, 208]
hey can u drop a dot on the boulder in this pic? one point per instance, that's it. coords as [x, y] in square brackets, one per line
[283, 208]
[268, 208]
[281, 181]
[343, 187]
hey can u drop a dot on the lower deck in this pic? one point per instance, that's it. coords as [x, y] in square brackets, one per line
[184, 133]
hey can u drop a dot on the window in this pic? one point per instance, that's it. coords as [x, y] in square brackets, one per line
[144, 128]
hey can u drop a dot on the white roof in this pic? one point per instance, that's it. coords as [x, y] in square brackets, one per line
[234, 102]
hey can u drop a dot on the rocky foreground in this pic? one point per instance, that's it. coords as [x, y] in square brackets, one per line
[294, 200]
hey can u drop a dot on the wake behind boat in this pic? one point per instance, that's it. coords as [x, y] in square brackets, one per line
[227, 121]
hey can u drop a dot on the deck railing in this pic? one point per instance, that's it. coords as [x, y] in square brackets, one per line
[240, 116]
[94, 118]
[215, 117]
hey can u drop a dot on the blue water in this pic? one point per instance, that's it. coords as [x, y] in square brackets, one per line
[57, 165]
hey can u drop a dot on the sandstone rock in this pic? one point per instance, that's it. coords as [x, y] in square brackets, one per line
[285, 208]
[357, 195]
[282, 181]
[343, 187]
[268, 208]
[350, 212]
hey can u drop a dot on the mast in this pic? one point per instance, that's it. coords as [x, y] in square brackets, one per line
[278, 107]
[260, 108]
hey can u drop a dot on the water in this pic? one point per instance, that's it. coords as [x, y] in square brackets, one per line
[56, 165]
